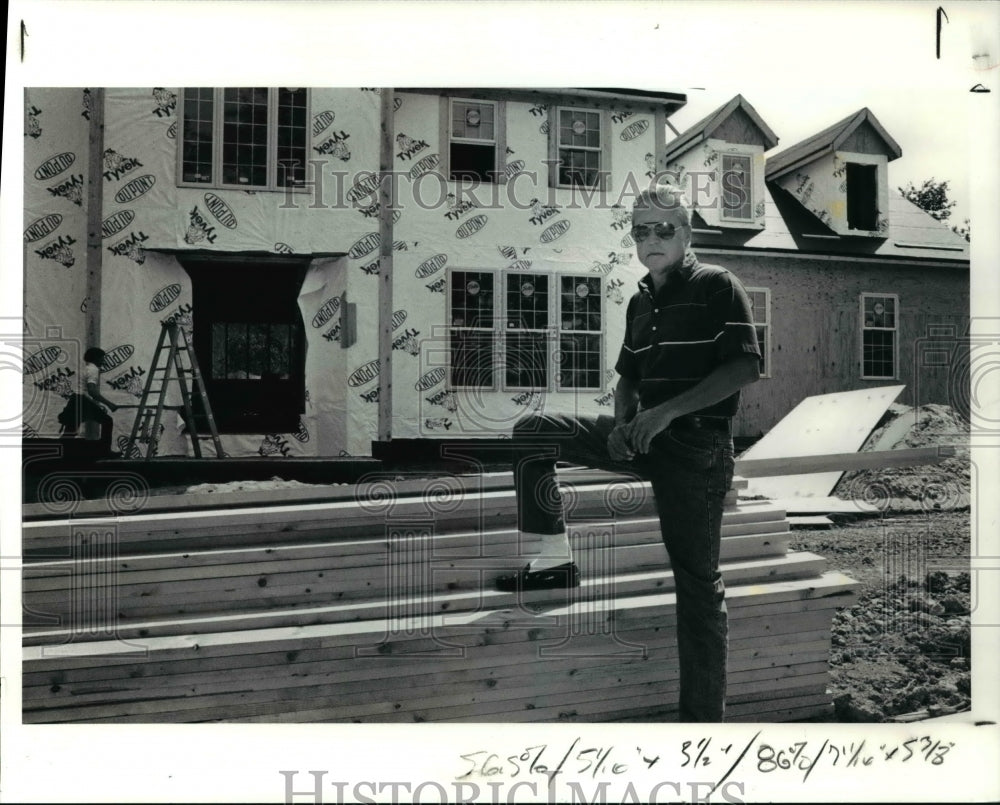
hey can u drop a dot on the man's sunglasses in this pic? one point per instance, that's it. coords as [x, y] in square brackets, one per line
[662, 230]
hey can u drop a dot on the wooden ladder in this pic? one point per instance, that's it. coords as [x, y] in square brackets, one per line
[147, 419]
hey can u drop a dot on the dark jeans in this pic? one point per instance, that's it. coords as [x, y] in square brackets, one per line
[79, 410]
[690, 472]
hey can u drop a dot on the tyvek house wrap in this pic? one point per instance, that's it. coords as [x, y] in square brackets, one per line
[526, 227]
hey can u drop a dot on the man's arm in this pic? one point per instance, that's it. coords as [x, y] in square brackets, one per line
[723, 381]
[95, 394]
[626, 398]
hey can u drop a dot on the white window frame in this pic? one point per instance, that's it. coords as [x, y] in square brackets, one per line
[553, 331]
[603, 150]
[863, 327]
[493, 330]
[766, 324]
[272, 145]
[560, 331]
[499, 136]
[547, 332]
[749, 186]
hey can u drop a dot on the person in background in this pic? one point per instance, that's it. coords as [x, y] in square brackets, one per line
[689, 347]
[85, 406]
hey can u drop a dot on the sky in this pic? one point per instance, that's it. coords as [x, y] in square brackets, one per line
[802, 65]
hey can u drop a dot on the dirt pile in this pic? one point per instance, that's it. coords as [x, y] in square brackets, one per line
[944, 486]
[904, 647]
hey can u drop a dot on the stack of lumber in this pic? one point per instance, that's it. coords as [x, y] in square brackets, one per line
[378, 605]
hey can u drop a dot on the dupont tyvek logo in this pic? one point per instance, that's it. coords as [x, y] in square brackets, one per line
[116, 357]
[398, 318]
[220, 211]
[283, 248]
[408, 147]
[513, 168]
[446, 399]
[430, 379]
[471, 227]
[326, 312]
[302, 434]
[117, 165]
[42, 228]
[164, 298]
[199, 228]
[171, 131]
[43, 359]
[363, 187]
[60, 382]
[335, 146]
[364, 246]
[628, 241]
[322, 121]
[71, 189]
[166, 102]
[407, 341]
[32, 128]
[621, 117]
[131, 247]
[633, 130]
[425, 165]
[557, 230]
[116, 223]
[364, 374]
[274, 443]
[58, 250]
[53, 166]
[431, 266]
[136, 188]
[129, 381]
[621, 218]
[438, 423]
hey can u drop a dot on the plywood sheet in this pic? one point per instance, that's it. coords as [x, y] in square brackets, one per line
[826, 423]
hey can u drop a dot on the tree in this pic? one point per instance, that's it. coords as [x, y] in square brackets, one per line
[932, 198]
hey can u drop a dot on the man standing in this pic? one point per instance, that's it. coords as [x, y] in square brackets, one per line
[689, 347]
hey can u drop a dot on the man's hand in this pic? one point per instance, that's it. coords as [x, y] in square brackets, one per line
[641, 431]
[618, 446]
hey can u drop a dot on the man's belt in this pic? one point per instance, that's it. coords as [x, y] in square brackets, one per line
[692, 422]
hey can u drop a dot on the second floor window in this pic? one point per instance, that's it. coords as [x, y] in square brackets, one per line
[475, 134]
[244, 137]
[737, 188]
[580, 148]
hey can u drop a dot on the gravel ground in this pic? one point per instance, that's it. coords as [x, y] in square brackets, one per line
[904, 648]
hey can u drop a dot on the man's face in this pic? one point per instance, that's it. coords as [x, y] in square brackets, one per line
[657, 253]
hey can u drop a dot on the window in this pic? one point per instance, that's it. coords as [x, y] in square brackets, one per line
[862, 196]
[249, 340]
[760, 306]
[471, 319]
[737, 188]
[879, 323]
[475, 139]
[580, 314]
[513, 329]
[526, 341]
[246, 137]
[582, 148]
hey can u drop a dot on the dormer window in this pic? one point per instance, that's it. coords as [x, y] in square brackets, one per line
[736, 188]
[862, 196]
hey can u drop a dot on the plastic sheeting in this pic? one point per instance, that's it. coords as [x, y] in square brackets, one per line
[148, 219]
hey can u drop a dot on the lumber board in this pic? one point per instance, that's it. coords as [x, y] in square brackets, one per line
[422, 678]
[415, 485]
[844, 462]
[488, 665]
[427, 706]
[833, 584]
[346, 519]
[793, 565]
[367, 553]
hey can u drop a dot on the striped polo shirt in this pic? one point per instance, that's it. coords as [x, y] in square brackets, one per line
[675, 338]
